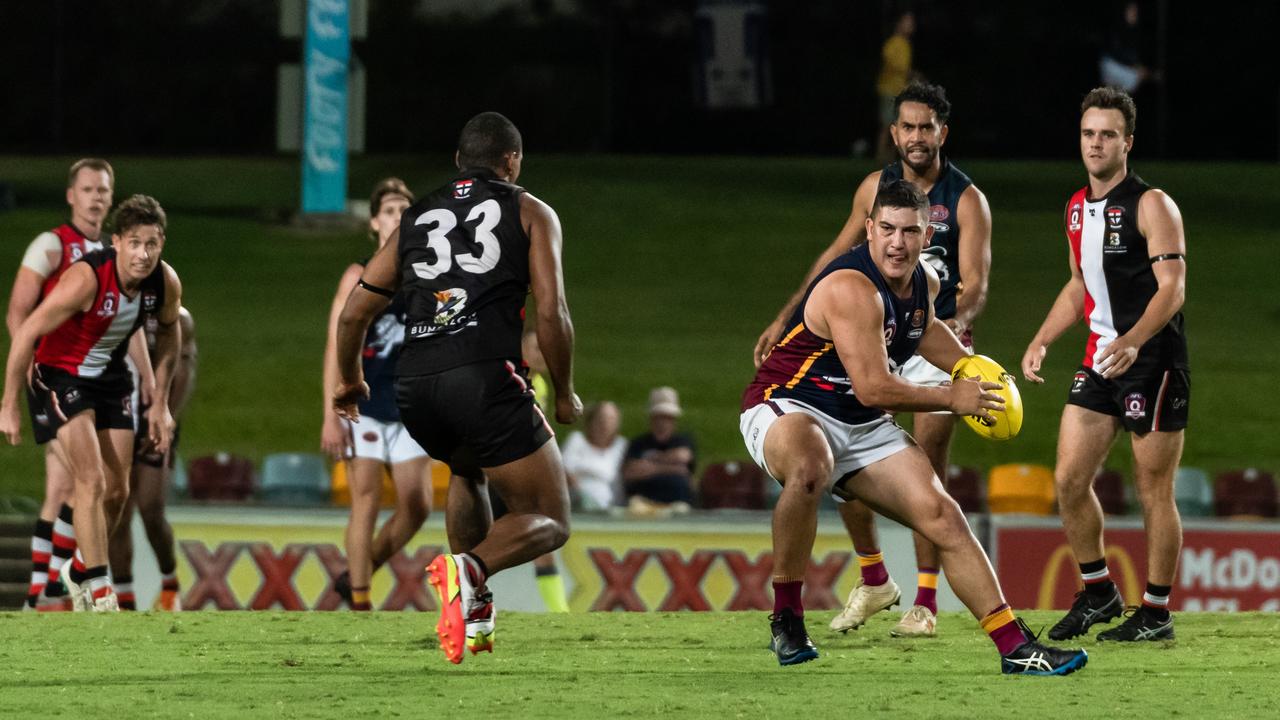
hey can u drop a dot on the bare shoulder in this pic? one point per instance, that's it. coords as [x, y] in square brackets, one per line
[931, 276]
[187, 322]
[842, 286]
[866, 193]
[1157, 201]
[532, 207]
[972, 200]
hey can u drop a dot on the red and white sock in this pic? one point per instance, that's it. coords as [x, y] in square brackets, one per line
[64, 543]
[41, 550]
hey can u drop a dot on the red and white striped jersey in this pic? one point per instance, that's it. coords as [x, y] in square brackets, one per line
[93, 343]
[69, 242]
[1112, 255]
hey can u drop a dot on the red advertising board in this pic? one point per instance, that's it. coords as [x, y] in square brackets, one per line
[1222, 566]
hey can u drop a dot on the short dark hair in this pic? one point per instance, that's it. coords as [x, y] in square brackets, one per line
[486, 139]
[92, 164]
[385, 187]
[900, 194]
[922, 92]
[1109, 98]
[137, 210]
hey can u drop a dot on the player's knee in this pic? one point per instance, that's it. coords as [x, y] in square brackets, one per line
[807, 478]
[942, 521]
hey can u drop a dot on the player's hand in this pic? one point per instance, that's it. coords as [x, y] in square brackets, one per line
[568, 408]
[346, 399]
[146, 390]
[335, 438]
[1031, 361]
[11, 424]
[1117, 358]
[972, 397]
[767, 340]
[160, 426]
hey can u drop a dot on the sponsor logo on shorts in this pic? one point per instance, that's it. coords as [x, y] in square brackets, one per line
[71, 396]
[1115, 216]
[42, 418]
[462, 189]
[126, 404]
[1179, 403]
[1077, 383]
[1135, 406]
[370, 437]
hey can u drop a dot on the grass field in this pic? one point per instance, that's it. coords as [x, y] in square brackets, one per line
[598, 665]
[673, 265]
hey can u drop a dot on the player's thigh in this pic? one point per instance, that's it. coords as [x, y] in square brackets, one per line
[902, 487]
[795, 447]
[535, 483]
[1084, 439]
[78, 440]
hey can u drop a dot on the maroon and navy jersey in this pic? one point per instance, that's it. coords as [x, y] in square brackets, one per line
[805, 367]
[74, 246]
[93, 343]
[1116, 265]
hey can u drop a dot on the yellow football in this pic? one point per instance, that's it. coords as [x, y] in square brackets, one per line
[1007, 422]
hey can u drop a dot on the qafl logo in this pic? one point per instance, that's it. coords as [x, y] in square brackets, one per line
[108, 308]
[1073, 218]
[1135, 406]
[890, 329]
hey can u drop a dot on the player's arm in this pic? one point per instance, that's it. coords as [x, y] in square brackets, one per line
[939, 345]
[334, 438]
[852, 234]
[974, 247]
[42, 257]
[184, 375]
[74, 293]
[552, 323]
[1161, 224]
[141, 358]
[371, 295]
[168, 341]
[846, 308]
[1067, 309]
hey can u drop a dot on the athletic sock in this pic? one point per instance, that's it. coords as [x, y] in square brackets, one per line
[64, 546]
[786, 596]
[97, 580]
[1002, 626]
[1156, 600]
[78, 570]
[41, 550]
[927, 588]
[1096, 577]
[551, 588]
[124, 592]
[168, 581]
[872, 565]
[479, 571]
[360, 599]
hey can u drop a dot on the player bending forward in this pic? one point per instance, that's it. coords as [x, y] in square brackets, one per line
[464, 258]
[815, 419]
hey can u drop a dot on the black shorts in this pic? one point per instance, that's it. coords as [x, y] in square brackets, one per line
[474, 416]
[62, 396]
[144, 453]
[1146, 398]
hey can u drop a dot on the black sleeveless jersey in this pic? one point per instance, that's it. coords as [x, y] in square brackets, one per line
[943, 252]
[806, 368]
[464, 274]
[1113, 259]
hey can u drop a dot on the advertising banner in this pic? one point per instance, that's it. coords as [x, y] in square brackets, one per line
[326, 55]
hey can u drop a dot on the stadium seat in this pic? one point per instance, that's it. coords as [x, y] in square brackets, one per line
[732, 485]
[1245, 494]
[221, 477]
[1193, 493]
[964, 484]
[1020, 488]
[295, 479]
[340, 488]
[1108, 485]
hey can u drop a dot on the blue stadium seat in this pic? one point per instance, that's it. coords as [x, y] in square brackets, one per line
[1193, 493]
[295, 479]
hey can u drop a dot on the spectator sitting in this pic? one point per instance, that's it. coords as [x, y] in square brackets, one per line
[659, 465]
[593, 457]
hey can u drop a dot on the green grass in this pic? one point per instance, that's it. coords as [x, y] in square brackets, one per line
[340, 665]
[673, 265]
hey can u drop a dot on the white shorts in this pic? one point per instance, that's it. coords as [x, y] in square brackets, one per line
[386, 442]
[922, 372]
[853, 446]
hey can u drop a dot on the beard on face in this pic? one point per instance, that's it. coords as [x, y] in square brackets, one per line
[931, 153]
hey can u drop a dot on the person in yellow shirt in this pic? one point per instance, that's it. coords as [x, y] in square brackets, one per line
[895, 73]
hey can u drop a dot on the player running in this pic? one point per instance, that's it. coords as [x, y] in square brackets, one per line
[149, 479]
[376, 440]
[959, 251]
[465, 257]
[1128, 280]
[84, 326]
[815, 419]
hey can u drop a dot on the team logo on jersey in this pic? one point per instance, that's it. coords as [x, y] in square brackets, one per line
[1073, 218]
[917, 324]
[1077, 383]
[1115, 215]
[108, 305]
[938, 216]
[1135, 406]
[462, 189]
[448, 304]
[149, 300]
[76, 253]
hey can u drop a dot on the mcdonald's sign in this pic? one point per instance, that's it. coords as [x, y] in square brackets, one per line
[1222, 566]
